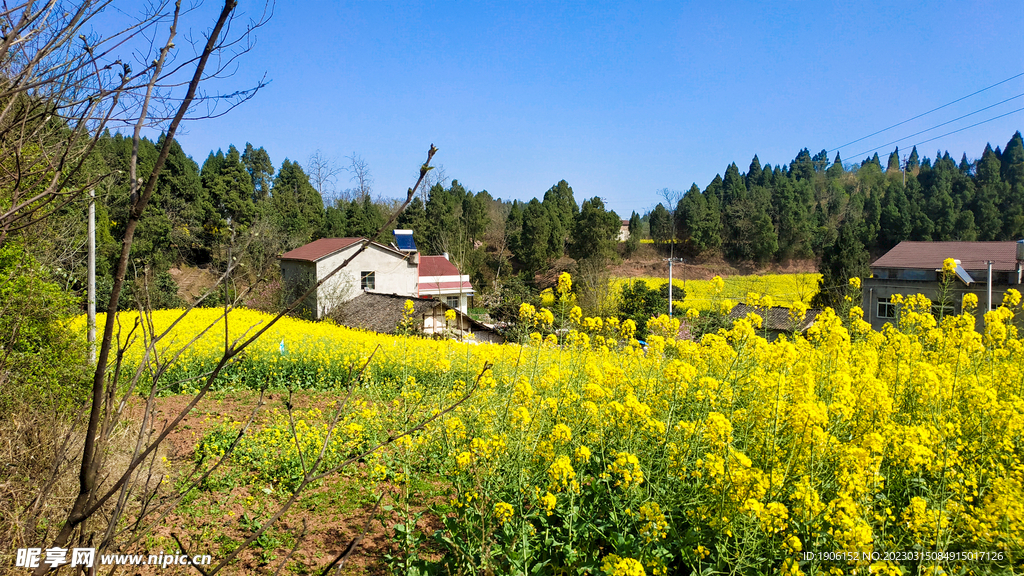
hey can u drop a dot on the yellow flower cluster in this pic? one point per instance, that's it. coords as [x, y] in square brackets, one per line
[844, 440]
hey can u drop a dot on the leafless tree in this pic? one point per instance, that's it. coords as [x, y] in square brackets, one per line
[61, 88]
[56, 97]
[361, 175]
[323, 173]
[438, 176]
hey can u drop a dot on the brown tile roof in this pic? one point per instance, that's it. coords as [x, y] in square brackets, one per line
[382, 312]
[776, 317]
[324, 247]
[929, 255]
[319, 249]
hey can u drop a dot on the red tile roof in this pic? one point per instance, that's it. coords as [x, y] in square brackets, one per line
[437, 266]
[319, 249]
[929, 255]
[437, 273]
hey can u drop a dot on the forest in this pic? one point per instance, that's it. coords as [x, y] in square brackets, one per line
[237, 205]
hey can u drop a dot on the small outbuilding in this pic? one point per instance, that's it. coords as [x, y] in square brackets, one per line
[384, 313]
[777, 319]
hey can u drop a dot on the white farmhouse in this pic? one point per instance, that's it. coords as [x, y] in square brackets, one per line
[378, 269]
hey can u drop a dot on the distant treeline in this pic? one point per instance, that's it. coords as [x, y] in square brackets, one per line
[797, 211]
[238, 205]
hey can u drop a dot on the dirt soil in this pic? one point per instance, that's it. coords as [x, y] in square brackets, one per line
[333, 513]
[192, 282]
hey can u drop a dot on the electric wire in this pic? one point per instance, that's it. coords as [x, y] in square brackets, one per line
[938, 126]
[928, 112]
[971, 126]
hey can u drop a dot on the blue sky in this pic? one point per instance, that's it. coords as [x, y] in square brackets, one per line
[619, 99]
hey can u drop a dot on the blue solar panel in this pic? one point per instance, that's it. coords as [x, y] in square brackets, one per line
[404, 241]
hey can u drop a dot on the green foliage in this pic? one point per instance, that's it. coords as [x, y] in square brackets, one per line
[633, 242]
[42, 363]
[297, 206]
[639, 302]
[661, 224]
[534, 237]
[594, 231]
[843, 259]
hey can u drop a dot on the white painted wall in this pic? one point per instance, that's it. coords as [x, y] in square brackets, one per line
[393, 274]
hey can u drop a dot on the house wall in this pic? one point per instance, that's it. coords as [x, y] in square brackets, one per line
[875, 288]
[392, 275]
[296, 277]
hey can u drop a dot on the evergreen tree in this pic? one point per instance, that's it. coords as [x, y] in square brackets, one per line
[474, 213]
[186, 205]
[443, 211]
[514, 227]
[562, 210]
[990, 196]
[414, 218]
[230, 187]
[335, 224]
[913, 163]
[535, 235]
[754, 173]
[698, 222]
[260, 169]
[802, 167]
[836, 169]
[820, 161]
[661, 224]
[895, 221]
[1012, 173]
[894, 161]
[844, 259]
[594, 231]
[633, 241]
[297, 206]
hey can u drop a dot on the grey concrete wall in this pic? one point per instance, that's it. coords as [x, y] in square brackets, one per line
[875, 288]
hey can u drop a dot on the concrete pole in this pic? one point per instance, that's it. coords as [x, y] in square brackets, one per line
[91, 337]
[670, 287]
[989, 285]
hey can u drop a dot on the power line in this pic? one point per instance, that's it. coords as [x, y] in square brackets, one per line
[928, 112]
[971, 126]
[936, 126]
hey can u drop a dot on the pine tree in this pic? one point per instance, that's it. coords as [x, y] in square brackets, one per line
[754, 173]
[843, 259]
[1012, 173]
[230, 188]
[535, 235]
[894, 161]
[260, 169]
[594, 231]
[661, 224]
[297, 206]
[990, 196]
[562, 211]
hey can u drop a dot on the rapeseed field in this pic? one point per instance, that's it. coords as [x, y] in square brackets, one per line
[845, 451]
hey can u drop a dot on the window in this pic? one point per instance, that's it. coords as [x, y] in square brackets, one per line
[886, 309]
[366, 281]
[452, 301]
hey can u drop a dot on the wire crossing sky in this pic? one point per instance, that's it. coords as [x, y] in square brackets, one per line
[620, 99]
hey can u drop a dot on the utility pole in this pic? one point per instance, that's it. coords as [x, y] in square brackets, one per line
[91, 336]
[670, 262]
[989, 305]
